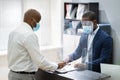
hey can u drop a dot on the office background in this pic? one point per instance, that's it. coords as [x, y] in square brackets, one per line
[53, 20]
[50, 33]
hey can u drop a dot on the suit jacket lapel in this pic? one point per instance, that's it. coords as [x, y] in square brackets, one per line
[96, 37]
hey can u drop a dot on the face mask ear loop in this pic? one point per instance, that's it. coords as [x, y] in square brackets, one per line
[36, 27]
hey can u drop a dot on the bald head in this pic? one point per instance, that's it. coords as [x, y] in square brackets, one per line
[32, 17]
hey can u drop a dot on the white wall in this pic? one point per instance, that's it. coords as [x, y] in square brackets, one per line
[56, 22]
[10, 18]
[43, 6]
[109, 13]
[112, 11]
[51, 53]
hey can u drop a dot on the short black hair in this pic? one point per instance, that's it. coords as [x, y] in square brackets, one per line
[32, 13]
[90, 15]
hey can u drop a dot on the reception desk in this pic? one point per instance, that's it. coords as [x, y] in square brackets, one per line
[73, 75]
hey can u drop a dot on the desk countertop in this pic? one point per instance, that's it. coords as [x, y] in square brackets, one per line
[73, 75]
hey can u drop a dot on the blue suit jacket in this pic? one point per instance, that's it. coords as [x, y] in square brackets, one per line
[102, 49]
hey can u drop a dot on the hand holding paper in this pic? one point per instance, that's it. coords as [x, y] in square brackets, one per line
[61, 65]
[66, 68]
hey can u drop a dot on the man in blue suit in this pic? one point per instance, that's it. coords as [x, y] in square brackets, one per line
[97, 43]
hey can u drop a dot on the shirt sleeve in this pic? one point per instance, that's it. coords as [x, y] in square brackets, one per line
[32, 46]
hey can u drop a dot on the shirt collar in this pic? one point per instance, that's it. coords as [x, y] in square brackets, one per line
[27, 26]
[96, 30]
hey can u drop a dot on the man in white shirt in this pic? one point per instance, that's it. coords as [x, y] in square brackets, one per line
[24, 56]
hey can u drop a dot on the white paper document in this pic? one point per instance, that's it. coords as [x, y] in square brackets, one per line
[65, 69]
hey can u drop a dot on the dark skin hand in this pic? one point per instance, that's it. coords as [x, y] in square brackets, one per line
[61, 65]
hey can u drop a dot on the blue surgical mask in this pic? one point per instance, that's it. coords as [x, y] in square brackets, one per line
[88, 29]
[37, 27]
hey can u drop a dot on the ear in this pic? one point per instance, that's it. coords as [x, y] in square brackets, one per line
[95, 21]
[32, 22]
[31, 19]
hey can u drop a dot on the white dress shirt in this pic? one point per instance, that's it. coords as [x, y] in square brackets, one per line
[24, 53]
[90, 44]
